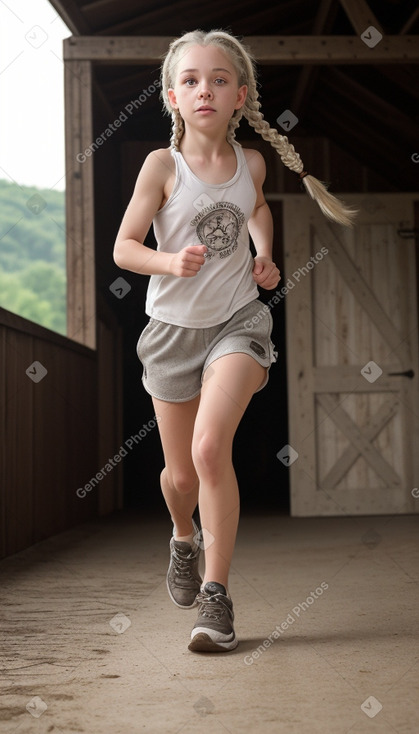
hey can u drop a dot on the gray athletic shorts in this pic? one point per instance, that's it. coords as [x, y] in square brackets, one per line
[174, 358]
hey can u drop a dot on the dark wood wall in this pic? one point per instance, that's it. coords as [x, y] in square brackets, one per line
[57, 433]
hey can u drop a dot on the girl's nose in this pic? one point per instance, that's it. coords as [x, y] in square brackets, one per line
[205, 92]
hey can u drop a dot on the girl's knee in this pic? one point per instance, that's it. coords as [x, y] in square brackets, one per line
[210, 455]
[181, 480]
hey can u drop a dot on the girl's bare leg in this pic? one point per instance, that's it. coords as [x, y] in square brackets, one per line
[179, 480]
[228, 386]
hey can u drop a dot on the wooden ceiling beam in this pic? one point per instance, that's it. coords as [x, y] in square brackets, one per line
[308, 74]
[360, 15]
[270, 50]
[410, 21]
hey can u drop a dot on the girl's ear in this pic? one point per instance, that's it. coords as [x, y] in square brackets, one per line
[172, 98]
[241, 97]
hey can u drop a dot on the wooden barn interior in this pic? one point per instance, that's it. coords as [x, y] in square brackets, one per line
[343, 393]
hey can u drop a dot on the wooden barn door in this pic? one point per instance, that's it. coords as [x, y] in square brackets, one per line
[352, 359]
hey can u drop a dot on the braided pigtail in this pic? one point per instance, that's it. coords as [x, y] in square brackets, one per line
[178, 129]
[233, 124]
[332, 207]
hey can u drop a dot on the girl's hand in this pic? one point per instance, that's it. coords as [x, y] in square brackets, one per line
[188, 262]
[265, 273]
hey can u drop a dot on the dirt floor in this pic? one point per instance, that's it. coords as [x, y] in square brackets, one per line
[326, 613]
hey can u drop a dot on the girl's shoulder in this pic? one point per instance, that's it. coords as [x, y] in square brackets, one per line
[160, 162]
[256, 164]
[158, 173]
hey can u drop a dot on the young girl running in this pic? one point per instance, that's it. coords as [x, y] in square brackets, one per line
[201, 365]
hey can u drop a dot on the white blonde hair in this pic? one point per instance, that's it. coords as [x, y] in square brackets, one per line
[245, 67]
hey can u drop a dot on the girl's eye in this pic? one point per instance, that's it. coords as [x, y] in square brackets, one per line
[190, 82]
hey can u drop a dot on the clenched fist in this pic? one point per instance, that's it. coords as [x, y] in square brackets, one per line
[188, 262]
[265, 273]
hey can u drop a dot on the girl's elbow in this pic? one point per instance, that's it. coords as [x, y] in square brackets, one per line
[118, 255]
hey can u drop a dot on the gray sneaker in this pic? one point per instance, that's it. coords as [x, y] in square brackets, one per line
[183, 579]
[213, 631]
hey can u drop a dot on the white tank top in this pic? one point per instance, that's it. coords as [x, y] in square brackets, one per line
[215, 215]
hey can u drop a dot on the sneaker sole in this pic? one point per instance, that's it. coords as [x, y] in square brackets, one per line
[203, 643]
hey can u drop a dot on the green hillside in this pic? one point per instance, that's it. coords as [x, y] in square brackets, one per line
[32, 254]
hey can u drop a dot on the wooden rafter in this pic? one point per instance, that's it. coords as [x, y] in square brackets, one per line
[360, 15]
[290, 50]
[411, 21]
[308, 74]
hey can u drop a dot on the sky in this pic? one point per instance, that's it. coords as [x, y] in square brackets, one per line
[32, 94]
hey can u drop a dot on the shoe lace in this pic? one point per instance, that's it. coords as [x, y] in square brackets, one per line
[182, 562]
[212, 606]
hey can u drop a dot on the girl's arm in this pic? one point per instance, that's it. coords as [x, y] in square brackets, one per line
[260, 225]
[129, 251]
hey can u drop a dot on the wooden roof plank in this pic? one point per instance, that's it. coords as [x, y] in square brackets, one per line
[112, 18]
[70, 13]
[297, 50]
[410, 22]
[151, 18]
[323, 21]
[360, 15]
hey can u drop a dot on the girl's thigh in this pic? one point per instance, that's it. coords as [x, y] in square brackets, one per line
[228, 386]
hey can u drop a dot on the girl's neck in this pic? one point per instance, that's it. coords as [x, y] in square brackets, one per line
[213, 161]
[196, 144]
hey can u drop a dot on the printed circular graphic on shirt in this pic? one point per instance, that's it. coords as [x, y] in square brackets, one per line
[218, 227]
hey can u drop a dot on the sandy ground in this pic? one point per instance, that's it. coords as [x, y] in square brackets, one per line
[326, 613]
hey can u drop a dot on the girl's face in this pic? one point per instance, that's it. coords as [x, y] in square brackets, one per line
[206, 90]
